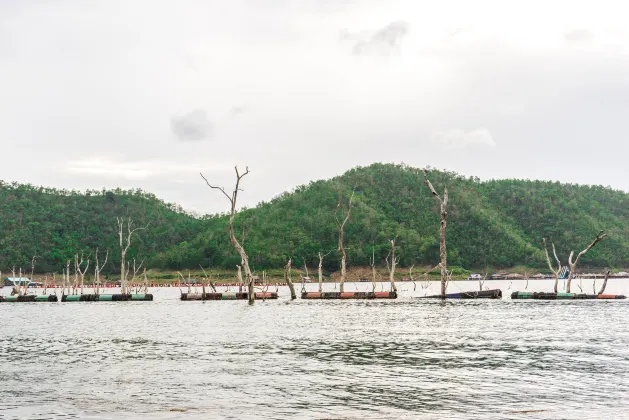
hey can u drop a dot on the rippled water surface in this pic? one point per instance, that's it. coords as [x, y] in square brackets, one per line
[402, 359]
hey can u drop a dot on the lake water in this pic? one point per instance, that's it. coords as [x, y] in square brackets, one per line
[402, 359]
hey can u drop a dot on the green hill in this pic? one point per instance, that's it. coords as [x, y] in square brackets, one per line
[490, 224]
[495, 223]
[53, 225]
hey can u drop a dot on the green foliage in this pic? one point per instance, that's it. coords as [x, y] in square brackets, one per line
[490, 224]
[53, 225]
[494, 223]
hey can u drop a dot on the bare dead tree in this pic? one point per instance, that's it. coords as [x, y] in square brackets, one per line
[97, 269]
[32, 272]
[232, 237]
[341, 227]
[288, 280]
[184, 281]
[305, 278]
[557, 271]
[17, 288]
[146, 281]
[411, 278]
[394, 261]
[321, 257]
[442, 233]
[137, 269]
[125, 244]
[239, 276]
[78, 263]
[604, 285]
[573, 264]
[67, 276]
[373, 269]
[209, 280]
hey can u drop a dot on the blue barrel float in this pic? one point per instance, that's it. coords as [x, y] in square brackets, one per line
[106, 298]
[29, 298]
[562, 296]
[227, 296]
[482, 294]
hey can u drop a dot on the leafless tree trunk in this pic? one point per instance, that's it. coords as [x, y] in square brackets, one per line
[125, 244]
[573, 264]
[321, 257]
[341, 247]
[97, 271]
[442, 233]
[209, 280]
[146, 281]
[239, 276]
[550, 265]
[77, 268]
[394, 262]
[232, 237]
[66, 277]
[604, 285]
[373, 269]
[136, 270]
[288, 280]
[32, 273]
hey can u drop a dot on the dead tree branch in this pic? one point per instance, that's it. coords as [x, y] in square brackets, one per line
[232, 237]
[442, 233]
[573, 264]
[341, 227]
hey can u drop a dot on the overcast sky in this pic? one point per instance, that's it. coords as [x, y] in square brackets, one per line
[146, 94]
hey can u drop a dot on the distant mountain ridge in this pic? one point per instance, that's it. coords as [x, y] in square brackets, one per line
[491, 224]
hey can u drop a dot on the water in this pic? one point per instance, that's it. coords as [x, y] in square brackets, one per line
[404, 359]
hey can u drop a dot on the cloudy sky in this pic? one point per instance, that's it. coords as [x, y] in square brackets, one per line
[146, 94]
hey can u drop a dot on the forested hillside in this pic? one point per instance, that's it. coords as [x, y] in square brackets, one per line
[490, 224]
[53, 225]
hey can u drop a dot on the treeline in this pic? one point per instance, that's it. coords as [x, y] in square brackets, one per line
[490, 224]
[54, 225]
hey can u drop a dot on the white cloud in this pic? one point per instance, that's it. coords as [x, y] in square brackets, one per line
[460, 138]
[110, 167]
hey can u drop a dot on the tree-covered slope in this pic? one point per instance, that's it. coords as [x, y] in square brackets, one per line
[494, 223]
[53, 225]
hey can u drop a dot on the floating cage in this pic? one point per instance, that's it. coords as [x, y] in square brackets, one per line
[106, 298]
[562, 296]
[482, 294]
[29, 298]
[349, 295]
[227, 296]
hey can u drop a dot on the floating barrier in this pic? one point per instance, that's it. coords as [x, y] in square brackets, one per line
[482, 294]
[29, 298]
[106, 298]
[562, 296]
[349, 295]
[227, 296]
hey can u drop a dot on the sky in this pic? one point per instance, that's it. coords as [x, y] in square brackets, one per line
[147, 94]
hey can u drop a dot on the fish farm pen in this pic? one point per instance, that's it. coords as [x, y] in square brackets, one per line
[562, 296]
[483, 294]
[106, 298]
[29, 298]
[227, 296]
[349, 295]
